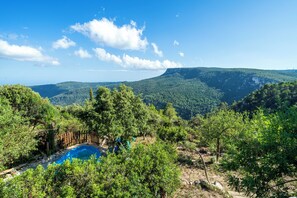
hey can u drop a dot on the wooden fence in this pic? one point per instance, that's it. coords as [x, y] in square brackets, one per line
[67, 139]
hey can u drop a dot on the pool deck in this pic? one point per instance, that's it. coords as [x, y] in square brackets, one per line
[45, 161]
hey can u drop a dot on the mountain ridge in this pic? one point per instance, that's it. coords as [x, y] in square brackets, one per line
[191, 90]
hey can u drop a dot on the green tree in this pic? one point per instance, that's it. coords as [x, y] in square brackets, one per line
[17, 139]
[141, 114]
[123, 100]
[104, 113]
[266, 158]
[91, 95]
[222, 128]
[170, 112]
[28, 104]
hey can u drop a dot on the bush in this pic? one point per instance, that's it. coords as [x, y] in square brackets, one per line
[145, 171]
[172, 133]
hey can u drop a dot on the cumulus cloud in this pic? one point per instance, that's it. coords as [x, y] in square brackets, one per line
[105, 56]
[82, 53]
[175, 43]
[63, 43]
[105, 32]
[127, 61]
[139, 63]
[181, 54]
[156, 50]
[24, 53]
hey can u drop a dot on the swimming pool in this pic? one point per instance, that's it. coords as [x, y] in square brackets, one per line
[83, 152]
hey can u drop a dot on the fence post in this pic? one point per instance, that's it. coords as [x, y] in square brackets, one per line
[47, 148]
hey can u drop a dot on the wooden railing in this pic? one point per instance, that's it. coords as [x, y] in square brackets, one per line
[67, 139]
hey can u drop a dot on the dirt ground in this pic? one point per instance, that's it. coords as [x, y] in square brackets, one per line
[192, 172]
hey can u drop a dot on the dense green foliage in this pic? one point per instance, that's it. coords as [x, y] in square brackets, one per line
[266, 156]
[145, 171]
[16, 137]
[28, 104]
[114, 114]
[221, 128]
[259, 149]
[23, 112]
[271, 97]
[27, 122]
[190, 90]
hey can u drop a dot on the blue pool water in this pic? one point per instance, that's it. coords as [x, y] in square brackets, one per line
[83, 152]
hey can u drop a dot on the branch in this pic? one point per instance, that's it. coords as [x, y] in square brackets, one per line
[204, 166]
[285, 182]
[279, 184]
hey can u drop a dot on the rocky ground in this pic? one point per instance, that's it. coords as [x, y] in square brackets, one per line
[194, 182]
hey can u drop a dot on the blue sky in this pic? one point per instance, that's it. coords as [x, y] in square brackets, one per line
[119, 40]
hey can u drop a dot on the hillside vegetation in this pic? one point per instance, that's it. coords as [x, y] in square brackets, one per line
[256, 154]
[272, 97]
[191, 90]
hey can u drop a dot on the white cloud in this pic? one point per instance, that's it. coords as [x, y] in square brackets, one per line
[82, 53]
[105, 56]
[24, 53]
[139, 63]
[156, 50]
[105, 32]
[181, 54]
[63, 43]
[175, 43]
[127, 61]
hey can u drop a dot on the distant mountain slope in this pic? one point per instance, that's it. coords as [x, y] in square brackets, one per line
[189, 96]
[234, 83]
[191, 90]
[271, 97]
[69, 92]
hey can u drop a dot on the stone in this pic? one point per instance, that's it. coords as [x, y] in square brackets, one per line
[218, 185]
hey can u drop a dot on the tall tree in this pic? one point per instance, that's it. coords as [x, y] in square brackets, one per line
[16, 138]
[221, 127]
[91, 94]
[105, 113]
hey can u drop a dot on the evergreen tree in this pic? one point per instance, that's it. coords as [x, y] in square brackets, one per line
[91, 97]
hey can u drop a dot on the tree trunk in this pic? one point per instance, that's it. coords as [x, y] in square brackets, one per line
[218, 150]
[47, 148]
[204, 166]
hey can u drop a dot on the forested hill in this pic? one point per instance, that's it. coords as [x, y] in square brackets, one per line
[67, 93]
[191, 90]
[234, 83]
[271, 98]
